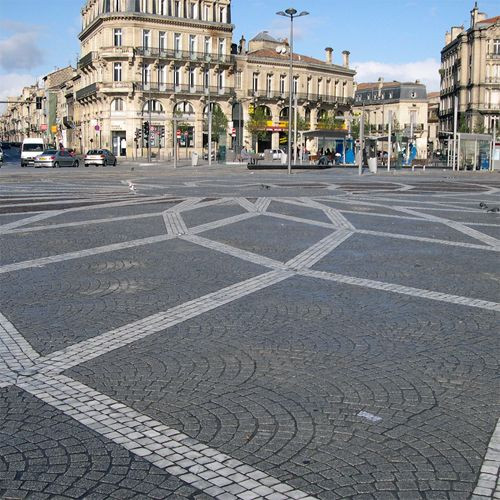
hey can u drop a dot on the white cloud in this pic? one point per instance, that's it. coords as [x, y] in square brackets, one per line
[11, 85]
[427, 71]
[20, 51]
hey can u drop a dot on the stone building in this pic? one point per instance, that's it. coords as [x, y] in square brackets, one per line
[434, 99]
[163, 59]
[409, 106]
[168, 62]
[470, 71]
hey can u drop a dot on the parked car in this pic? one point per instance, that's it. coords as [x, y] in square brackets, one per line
[1, 156]
[277, 154]
[5, 145]
[53, 158]
[102, 157]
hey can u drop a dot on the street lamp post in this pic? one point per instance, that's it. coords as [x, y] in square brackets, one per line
[290, 13]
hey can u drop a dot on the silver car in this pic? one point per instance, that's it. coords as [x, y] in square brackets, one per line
[1, 155]
[102, 157]
[54, 158]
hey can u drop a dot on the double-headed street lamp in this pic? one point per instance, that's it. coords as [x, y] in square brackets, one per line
[291, 13]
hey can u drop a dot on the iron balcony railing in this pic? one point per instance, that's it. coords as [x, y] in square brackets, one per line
[183, 89]
[86, 91]
[87, 59]
[271, 94]
[184, 55]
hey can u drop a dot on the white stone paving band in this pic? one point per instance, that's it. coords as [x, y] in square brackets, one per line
[488, 484]
[195, 463]
[405, 290]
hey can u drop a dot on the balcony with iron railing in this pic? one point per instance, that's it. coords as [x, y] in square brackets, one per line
[86, 91]
[271, 95]
[493, 55]
[184, 89]
[184, 55]
[87, 59]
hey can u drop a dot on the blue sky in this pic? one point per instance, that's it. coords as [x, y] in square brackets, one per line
[396, 39]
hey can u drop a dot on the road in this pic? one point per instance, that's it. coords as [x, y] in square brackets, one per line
[217, 333]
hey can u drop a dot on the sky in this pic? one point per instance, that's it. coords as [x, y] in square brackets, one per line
[393, 39]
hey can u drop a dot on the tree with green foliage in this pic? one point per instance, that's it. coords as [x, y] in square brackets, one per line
[257, 125]
[479, 126]
[219, 123]
[463, 127]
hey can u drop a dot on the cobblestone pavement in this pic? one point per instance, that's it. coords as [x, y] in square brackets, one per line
[236, 335]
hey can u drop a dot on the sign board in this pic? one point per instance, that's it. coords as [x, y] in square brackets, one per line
[233, 132]
[178, 133]
[53, 129]
[97, 128]
[44, 127]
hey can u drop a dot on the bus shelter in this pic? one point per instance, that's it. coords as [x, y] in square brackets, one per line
[474, 151]
[336, 143]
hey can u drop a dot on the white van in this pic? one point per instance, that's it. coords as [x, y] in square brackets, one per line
[30, 149]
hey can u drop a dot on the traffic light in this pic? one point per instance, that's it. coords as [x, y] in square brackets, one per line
[162, 132]
[138, 134]
[145, 129]
[38, 103]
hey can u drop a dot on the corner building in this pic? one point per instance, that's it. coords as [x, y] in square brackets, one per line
[161, 59]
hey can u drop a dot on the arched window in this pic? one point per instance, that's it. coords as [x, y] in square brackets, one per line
[184, 109]
[265, 109]
[284, 114]
[117, 104]
[153, 105]
[215, 107]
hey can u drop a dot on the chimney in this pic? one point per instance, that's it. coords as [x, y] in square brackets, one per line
[329, 55]
[455, 31]
[481, 16]
[447, 38]
[417, 82]
[346, 55]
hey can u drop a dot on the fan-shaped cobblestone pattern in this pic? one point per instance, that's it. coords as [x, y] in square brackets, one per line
[295, 210]
[416, 264]
[277, 380]
[277, 239]
[22, 246]
[118, 289]
[199, 216]
[46, 454]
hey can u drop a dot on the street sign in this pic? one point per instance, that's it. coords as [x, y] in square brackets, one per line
[97, 128]
[53, 129]
[233, 132]
[44, 127]
[178, 133]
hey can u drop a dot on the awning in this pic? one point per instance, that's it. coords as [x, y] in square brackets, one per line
[326, 134]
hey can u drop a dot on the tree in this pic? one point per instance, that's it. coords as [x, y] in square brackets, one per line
[463, 127]
[219, 123]
[257, 124]
[479, 126]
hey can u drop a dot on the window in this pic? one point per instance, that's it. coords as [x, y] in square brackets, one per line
[146, 39]
[163, 7]
[282, 84]
[177, 77]
[255, 82]
[206, 79]
[117, 37]
[295, 84]
[269, 85]
[162, 40]
[206, 13]
[146, 76]
[207, 45]
[238, 80]
[222, 15]
[117, 6]
[496, 47]
[192, 45]
[308, 87]
[177, 44]
[117, 105]
[222, 46]
[177, 10]
[193, 10]
[162, 77]
[192, 78]
[220, 81]
[117, 72]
